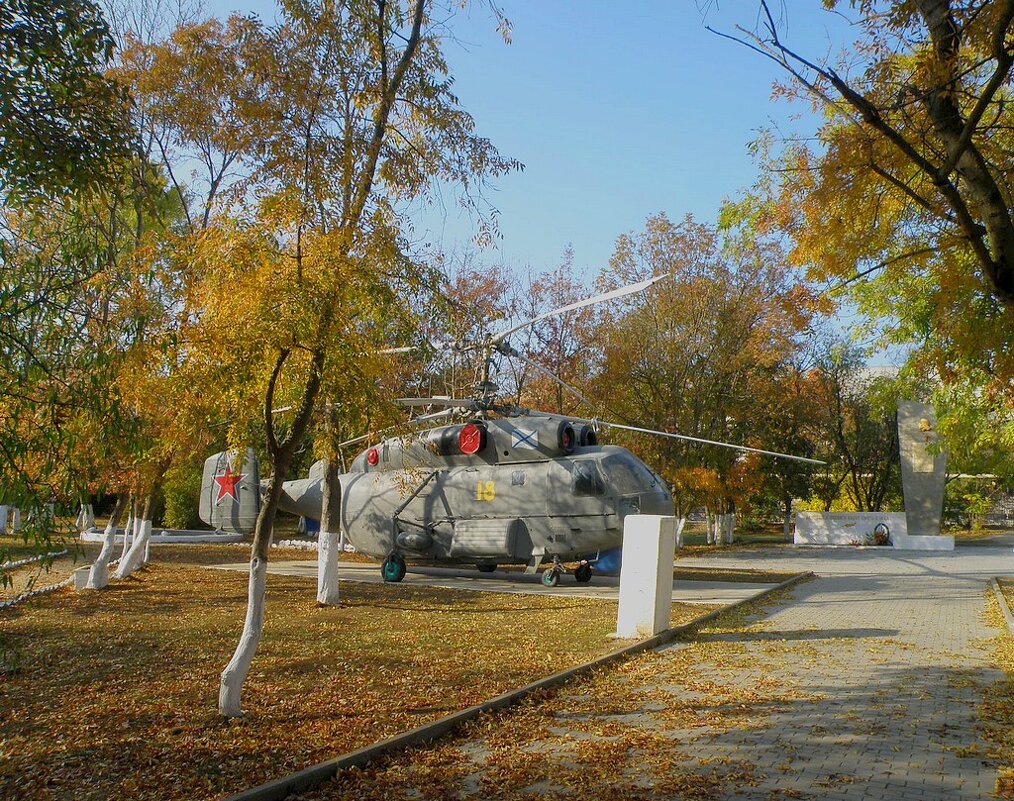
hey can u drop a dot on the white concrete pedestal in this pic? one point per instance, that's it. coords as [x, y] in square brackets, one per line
[646, 575]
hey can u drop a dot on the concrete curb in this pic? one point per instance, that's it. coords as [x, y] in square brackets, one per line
[995, 584]
[279, 789]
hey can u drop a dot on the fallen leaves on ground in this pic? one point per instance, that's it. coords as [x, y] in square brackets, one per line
[115, 693]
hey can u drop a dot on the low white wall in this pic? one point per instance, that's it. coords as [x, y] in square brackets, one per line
[856, 528]
[167, 535]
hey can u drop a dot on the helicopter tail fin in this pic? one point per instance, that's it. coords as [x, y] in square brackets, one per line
[230, 492]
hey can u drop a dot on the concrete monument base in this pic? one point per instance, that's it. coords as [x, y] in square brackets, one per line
[858, 528]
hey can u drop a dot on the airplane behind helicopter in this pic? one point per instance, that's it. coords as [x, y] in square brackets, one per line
[505, 485]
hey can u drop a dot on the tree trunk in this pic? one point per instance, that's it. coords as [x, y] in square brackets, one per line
[128, 529]
[681, 521]
[328, 543]
[787, 520]
[98, 576]
[135, 557]
[230, 689]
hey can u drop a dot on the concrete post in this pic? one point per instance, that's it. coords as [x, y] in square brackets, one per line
[646, 575]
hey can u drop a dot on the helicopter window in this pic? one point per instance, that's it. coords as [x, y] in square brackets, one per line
[587, 480]
[627, 475]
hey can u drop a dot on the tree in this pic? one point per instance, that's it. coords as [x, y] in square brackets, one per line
[561, 345]
[862, 410]
[796, 426]
[904, 197]
[300, 275]
[62, 122]
[689, 358]
[924, 124]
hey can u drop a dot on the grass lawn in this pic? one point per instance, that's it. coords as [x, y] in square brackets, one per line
[114, 693]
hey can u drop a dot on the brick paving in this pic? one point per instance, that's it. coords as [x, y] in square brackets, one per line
[901, 663]
[863, 684]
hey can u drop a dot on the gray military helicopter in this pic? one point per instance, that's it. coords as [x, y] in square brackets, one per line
[501, 485]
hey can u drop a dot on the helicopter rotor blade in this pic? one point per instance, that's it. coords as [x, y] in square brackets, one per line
[699, 440]
[501, 335]
[423, 418]
[452, 403]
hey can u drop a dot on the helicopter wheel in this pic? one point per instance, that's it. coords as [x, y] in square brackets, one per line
[393, 568]
[551, 577]
[486, 568]
[583, 573]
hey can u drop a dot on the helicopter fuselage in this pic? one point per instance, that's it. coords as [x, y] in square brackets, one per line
[489, 492]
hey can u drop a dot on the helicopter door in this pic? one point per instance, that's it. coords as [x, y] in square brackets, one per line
[577, 487]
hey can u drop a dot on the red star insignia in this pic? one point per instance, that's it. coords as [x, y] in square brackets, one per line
[227, 484]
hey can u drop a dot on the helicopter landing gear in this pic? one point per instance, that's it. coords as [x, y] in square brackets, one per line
[393, 568]
[486, 568]
[583, 573]
[551, 577]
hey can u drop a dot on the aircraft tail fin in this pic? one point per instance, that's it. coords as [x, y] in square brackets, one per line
[230, 492]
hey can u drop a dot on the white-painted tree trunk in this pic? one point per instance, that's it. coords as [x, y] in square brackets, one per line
[89, 521]
[230, 688]
[79, 520]
[328, 548]
[127, 530]
[328, 551]
[4, 517]
[98, 576]
[726, 525]
[15, 520]
[680, 523]
[135, 556]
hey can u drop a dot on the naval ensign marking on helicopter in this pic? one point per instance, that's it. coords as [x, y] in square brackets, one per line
[525, 438]
[227, 484]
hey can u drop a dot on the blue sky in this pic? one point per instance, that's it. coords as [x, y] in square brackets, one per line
[617, 110]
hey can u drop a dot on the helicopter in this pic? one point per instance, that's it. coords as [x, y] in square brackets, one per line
[504, 485]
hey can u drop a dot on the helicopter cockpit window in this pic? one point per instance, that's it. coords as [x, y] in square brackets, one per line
[587, 480]
[627, 475]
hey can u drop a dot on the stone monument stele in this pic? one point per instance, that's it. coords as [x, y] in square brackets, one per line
[923, 472]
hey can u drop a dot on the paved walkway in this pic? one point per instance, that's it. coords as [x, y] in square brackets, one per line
[864, 684]
[513, 582]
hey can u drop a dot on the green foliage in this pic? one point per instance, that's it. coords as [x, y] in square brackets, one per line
[967, 501]
[181, 490]
[61, 120]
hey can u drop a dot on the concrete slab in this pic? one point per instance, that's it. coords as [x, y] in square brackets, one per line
[604, 588]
